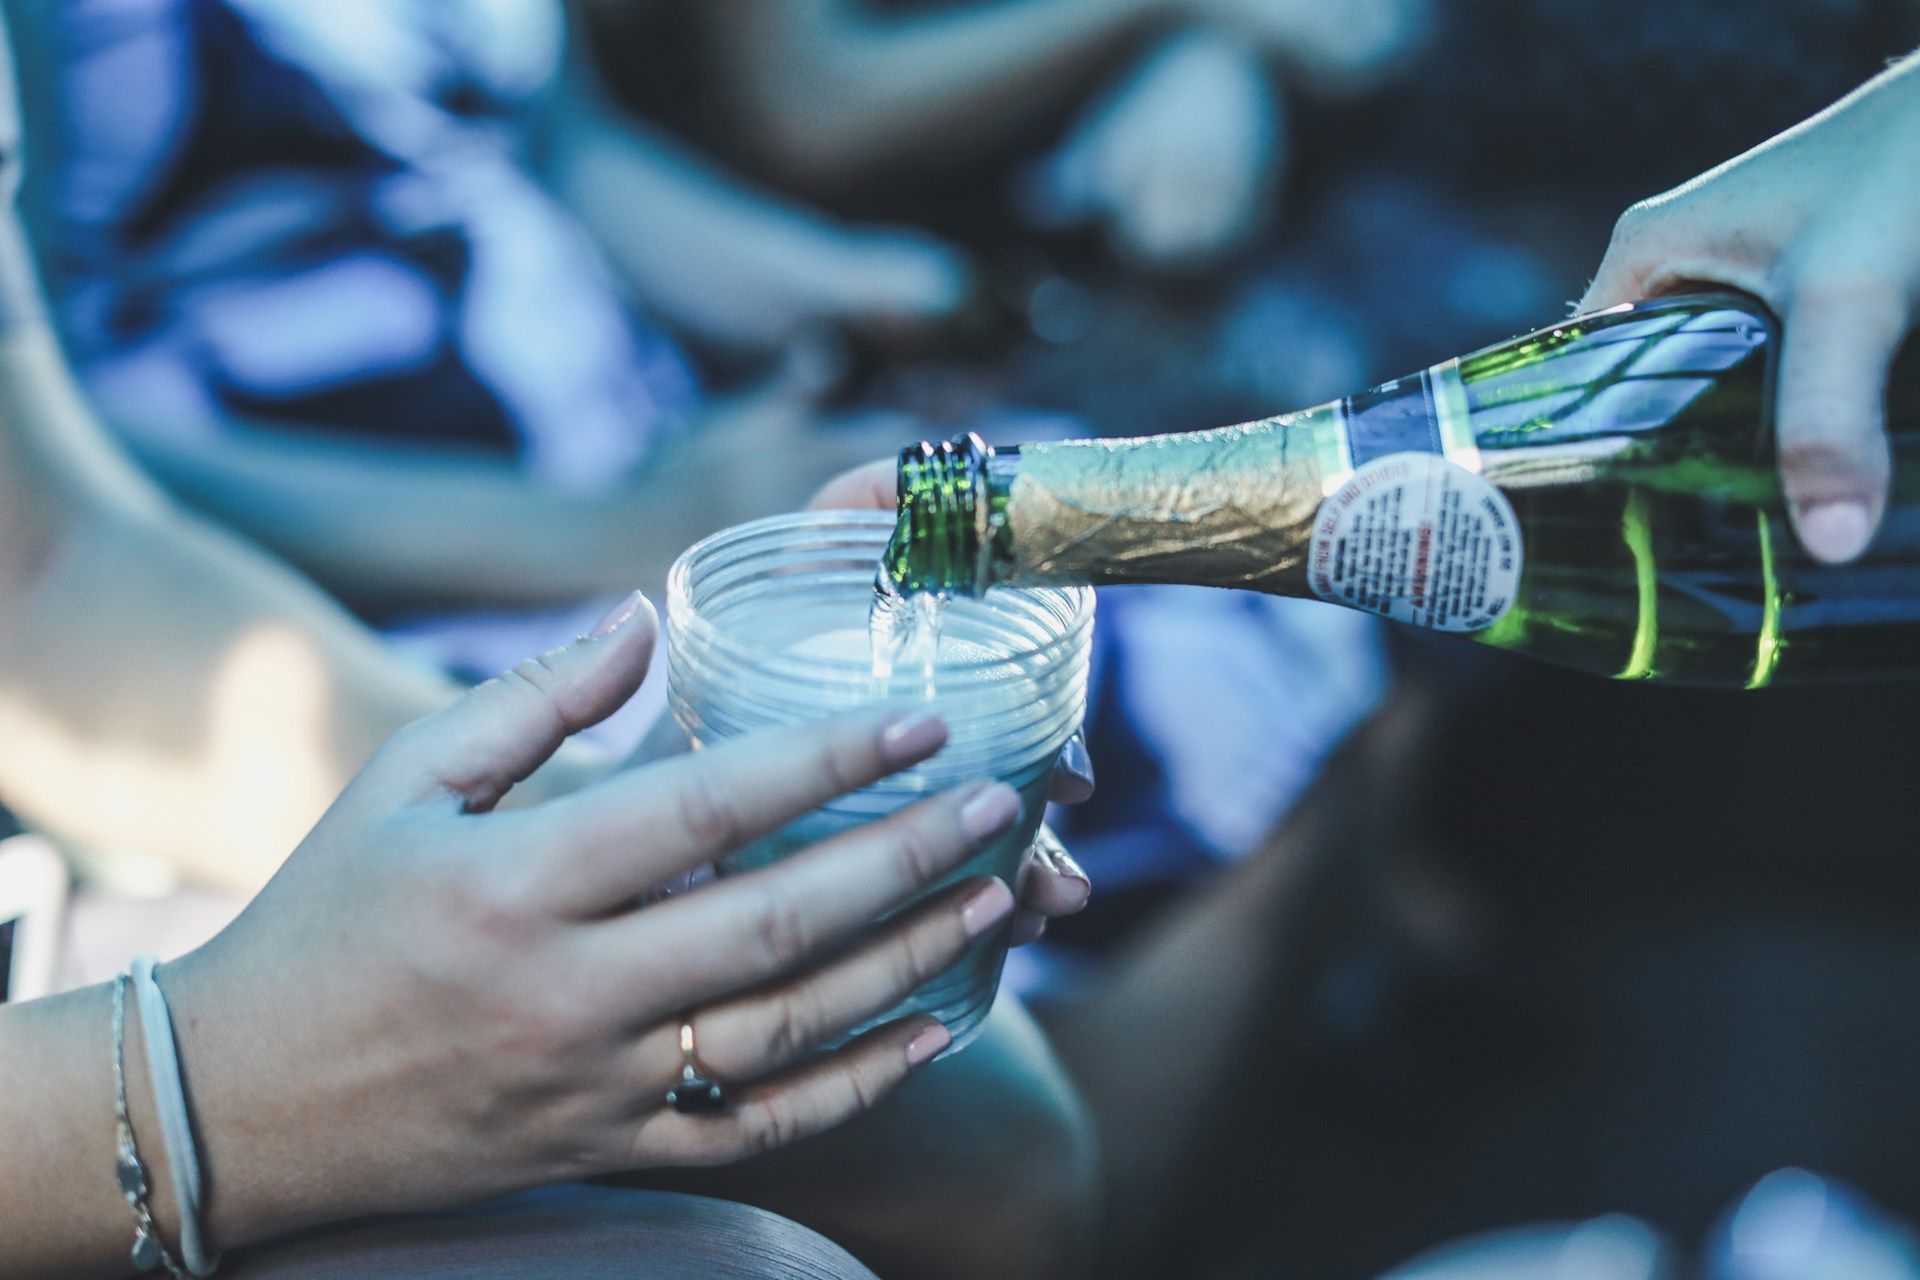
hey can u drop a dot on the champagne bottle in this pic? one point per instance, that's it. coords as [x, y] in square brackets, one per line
[1601, 494]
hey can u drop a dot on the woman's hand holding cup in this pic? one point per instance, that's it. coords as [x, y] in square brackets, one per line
[434, 1002]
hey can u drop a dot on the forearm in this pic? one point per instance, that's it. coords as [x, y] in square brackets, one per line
[835, 92]
[61, 1213]
[169, 691]
[714, 255]
[172, 695]
[417, 529]
[691, 240]
[263, 1160]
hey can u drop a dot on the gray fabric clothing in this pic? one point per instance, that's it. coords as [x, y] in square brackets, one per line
[580, 1233]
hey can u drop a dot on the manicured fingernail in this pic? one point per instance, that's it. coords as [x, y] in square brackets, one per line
[991, 811]
[1075, 760]
[989, 905]
[912, 737]
[618, 616]
[1064, 863]
[1835, 531]
[928, 1045]
[1082, 891]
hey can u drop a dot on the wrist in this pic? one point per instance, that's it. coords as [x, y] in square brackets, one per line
[241, 1110]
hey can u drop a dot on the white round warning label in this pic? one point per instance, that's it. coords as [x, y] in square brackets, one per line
[1418, 539]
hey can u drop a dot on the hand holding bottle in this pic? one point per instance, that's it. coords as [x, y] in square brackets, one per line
[1823, 224]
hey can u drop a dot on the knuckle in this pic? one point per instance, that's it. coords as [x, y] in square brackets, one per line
[485, 900]
[918, 956]
[537, 680]
[931, 951]
[793, 1028]
[763, 1126]
[1834, 457]
[481, 950]
[540, 672]
[707, 812]
[861, 1092]
[782, 932]
[921, 849]
[537, 1031]
[1633, 226]
[533, 1035]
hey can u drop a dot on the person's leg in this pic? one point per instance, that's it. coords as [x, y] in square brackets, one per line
[581, 1233]
[1175, 1046]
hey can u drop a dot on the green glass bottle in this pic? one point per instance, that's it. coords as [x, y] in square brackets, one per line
[1601, 495]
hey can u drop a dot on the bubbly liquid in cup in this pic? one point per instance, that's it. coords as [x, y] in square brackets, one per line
[904, 630]
[851, 643]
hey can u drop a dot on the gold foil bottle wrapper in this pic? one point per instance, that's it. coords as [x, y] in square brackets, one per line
[1228, 507]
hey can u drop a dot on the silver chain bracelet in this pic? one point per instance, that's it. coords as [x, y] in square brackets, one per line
[149, 1250]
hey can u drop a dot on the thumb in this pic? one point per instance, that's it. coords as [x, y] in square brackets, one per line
[1624, 275]
[1836, 352]
[1649, 242]
[869, 487]
[501, 731]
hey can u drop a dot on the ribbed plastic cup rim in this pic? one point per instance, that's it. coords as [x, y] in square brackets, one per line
[1020, 703]
[686, 626]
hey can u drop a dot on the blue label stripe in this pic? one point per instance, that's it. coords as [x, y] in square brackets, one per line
[1396, 418]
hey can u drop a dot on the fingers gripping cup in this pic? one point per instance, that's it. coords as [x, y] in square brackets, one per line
[767, 625]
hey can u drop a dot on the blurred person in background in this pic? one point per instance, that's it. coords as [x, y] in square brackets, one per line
[361, 280]
[1169, 132]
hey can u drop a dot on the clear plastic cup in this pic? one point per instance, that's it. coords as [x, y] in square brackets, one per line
[740, 601]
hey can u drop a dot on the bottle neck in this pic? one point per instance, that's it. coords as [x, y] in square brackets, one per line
[1228, 507]
[950, 533]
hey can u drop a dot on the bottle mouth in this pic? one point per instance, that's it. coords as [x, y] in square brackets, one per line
[947, 521]
[738, 602]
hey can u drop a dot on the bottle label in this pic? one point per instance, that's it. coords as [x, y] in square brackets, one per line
[1424, 413]
[1419, 539]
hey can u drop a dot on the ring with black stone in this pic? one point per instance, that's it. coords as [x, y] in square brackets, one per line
[696, 1091]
